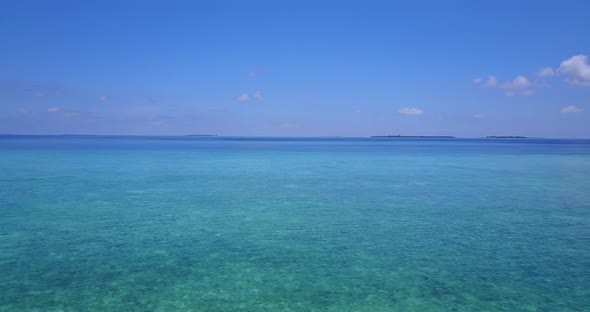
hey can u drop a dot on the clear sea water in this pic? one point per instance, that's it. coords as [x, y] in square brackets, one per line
[271, 224]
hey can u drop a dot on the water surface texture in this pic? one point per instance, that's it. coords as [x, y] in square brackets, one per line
[269, 224]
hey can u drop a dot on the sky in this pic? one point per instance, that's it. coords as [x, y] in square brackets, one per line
[295, 68]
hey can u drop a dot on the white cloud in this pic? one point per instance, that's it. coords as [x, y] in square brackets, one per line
[411, 111]
[479, 116]
[53, 110]
[491, 81]
[577, 69]
[258, 96]
[519, 82]
[571, 109]
[517, 86]
[103, 98]
[243, 97]
[546, 72]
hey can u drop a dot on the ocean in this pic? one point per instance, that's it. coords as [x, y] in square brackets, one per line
[131, 223]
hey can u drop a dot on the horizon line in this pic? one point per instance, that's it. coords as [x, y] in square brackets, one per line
[295, 136]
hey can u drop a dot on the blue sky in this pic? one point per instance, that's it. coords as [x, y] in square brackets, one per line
[295, 68]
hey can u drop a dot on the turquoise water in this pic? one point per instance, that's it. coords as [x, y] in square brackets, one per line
[235, 224]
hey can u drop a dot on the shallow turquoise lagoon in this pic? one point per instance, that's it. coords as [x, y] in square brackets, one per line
[270, 224]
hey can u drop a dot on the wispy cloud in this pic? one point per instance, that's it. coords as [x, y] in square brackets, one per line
[520, 85]
[490, 82]
[103, 98]
[258, 96]
[243, 97]
[546, 72]
[479, 116]
[411, 111]
[62, 112]
[571, 109]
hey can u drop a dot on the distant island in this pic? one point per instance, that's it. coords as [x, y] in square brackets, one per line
[505, 137]
[200, 135]
[76, 135]
[415, 136]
